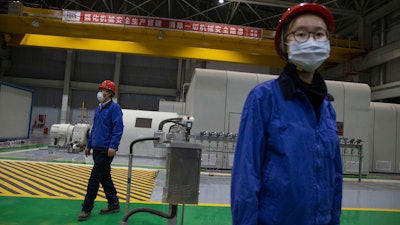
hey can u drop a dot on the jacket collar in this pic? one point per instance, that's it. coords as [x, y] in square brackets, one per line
[288, 87]
[105, 104]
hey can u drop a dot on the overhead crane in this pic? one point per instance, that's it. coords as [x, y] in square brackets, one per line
[45, 28]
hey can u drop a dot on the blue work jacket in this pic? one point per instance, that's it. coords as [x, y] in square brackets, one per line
[107, 127]
[287, 168]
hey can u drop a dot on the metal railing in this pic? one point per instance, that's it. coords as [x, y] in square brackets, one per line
[352, 156]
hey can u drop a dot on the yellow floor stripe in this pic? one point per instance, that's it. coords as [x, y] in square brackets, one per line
[7, 178]
[42, 180]
[8, 184]
[68, 180]
[85, 180]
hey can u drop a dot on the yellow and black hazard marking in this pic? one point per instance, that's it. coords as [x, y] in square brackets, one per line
[68, 180]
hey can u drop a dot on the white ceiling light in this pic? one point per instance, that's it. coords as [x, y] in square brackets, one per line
[35, 23]
[160, 35]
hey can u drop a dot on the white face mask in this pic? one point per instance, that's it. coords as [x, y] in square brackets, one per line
[308, 55]
[100, 96]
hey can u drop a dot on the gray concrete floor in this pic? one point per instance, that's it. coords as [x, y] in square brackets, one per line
[215, 186]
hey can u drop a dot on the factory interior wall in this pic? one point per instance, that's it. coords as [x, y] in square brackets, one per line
[216, 99]
[133, 131]
[385, 147]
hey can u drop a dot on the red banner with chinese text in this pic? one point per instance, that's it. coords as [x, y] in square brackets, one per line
[161, 23]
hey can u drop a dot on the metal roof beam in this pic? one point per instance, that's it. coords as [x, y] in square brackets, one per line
[254, 11]
[106, 5]
[138, 6]
[158, 6]
[381, 12]
[198, 11]
[207, 10]
[380, 56]
[233, 12]
[285, 4]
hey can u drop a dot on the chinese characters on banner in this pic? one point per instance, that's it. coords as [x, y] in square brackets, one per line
[160, 23]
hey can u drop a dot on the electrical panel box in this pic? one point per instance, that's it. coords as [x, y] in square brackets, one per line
[183, 173]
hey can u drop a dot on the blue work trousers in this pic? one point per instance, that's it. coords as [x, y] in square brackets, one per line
[101, 174]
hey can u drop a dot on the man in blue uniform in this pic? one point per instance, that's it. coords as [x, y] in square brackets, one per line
[104, 139]
[287, 168]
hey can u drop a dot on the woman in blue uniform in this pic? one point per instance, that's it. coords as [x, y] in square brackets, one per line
[287, 168]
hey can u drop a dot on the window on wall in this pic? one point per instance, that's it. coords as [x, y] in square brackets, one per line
[143, 122]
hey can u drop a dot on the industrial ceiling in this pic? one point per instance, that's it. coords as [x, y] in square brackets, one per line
[263, 14]
[254, 13]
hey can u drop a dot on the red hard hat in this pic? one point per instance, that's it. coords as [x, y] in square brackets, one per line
[291, 12]
[108, 85]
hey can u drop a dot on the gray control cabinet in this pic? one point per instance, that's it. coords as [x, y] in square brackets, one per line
[183, 173]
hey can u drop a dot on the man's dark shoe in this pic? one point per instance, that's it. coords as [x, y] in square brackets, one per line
[83, 216]
[110, 209]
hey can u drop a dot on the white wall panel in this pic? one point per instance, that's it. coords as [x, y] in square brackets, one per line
[189, 106]
[133, 132]
[263, 77]
[238, 87]
[336, 89]
[237, 67]
[384, 137]
[206, 100]
[397, 107]
[371, 136]
[170, 106]
[356, 123]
